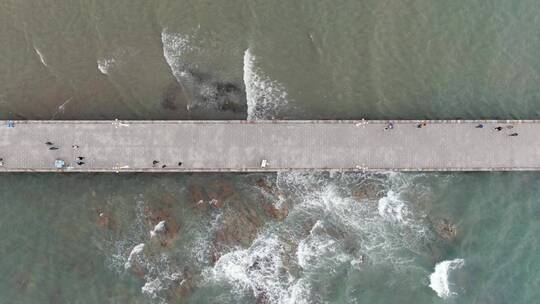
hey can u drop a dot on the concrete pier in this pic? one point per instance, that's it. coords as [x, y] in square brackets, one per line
[242, 146]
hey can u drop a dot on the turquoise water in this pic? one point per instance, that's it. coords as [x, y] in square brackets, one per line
[277, 238]
[342, 238]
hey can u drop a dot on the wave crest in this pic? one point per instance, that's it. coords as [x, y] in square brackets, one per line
[265, 97]
[439, 280]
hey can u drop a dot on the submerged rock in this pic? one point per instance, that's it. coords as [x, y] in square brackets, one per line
[219, 191]
[169, 227]
[22, 280]
[238, 229]
[173, 97]
[271, 192]
[368, 191]
[274, 212]
[197, 197]
[445, 229]
[266, 187]
[209, 93]
[106, 220]
[183, 286]
[214, 194]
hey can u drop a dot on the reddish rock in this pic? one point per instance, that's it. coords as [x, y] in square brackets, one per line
[264, 186]
[275, 213]
[197, 197]
[218, 192]
[172, 226]
[106, 220]
[183, 288]
[222, 189]
[238, 229]
[368, 191]
[138, 270]
[168, 199]
[445, 229]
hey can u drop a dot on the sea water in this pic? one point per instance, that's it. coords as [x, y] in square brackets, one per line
[296, 237]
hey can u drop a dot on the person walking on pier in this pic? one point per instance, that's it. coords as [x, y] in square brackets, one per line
[499, 128]
[513, 134]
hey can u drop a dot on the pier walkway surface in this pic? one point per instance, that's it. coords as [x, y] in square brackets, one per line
[242, 146]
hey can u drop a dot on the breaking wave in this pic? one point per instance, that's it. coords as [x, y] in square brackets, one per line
[391, 207]
[134, 252]
[439, 280]
[175, 46]
[105, 64]
[265, 97]
[204, 90]
[327, 230]
[41, 57]
[118, 58]
[330, 226]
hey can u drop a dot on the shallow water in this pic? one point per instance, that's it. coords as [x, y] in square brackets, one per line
[277, 238]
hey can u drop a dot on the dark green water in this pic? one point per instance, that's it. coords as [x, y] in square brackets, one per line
[285, 238]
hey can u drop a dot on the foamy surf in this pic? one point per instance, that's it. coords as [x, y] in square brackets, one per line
[392, 208]
[338, 232]
[265, 97]
[136, 251]
[105, 64]
[439, 279]
[119, 57]
[258, 269]
[371, 238]
[159, 228]
[175, 46]
[133, 252]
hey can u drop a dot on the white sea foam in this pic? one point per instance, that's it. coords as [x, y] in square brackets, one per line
[317, 248]
[136, 251]
[265, 97]
[345, 232]
[105, 65]
[372, 239]
[439, 279]
[391, 207]
[156, 267]
[159, 228]
[260, 270]
[61, 108]
[41, 57]
[284, 258]
[151, 288]
[299, 293]
[175, 46]
[203, 242]
[115, 60]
